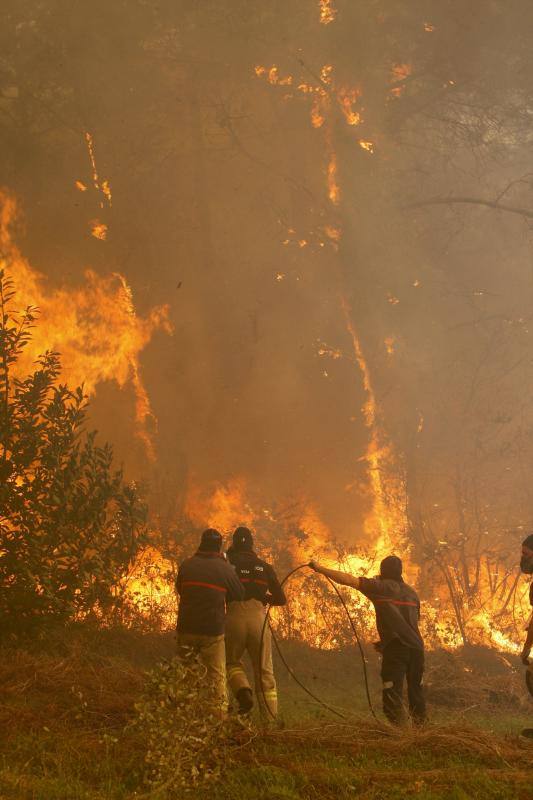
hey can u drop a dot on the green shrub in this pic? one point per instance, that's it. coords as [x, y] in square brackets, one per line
[69, 526]
[187, 737]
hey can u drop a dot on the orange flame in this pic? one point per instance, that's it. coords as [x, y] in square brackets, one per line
[334, 192]
[387, 522]
[317, 116]
[226, 506]
[399, 73]
[272, 75]
[101, 186]
[347, 98]
[94, 327]
[328, 12]
[224, 509]
[333, 233]
[326, 74]
[149, 587]
[388, 516]
[98, 229]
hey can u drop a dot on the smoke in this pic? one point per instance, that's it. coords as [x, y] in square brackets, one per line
[252, 210]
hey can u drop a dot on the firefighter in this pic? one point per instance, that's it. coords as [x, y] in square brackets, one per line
[526, 565]
[397, 610]
[205, 583]
[244, 626]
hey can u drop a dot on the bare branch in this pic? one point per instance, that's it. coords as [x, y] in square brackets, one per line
[476, 201]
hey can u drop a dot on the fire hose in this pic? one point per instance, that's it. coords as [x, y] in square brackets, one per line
[291, 671]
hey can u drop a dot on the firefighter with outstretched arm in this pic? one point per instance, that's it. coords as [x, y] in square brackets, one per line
[397, 608]
[244, 626]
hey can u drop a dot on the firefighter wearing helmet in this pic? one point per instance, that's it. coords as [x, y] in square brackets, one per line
[245, 626]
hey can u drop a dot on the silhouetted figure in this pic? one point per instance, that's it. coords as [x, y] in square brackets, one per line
[205, 583]
[526, 565]
[245, 622]
[397, 608]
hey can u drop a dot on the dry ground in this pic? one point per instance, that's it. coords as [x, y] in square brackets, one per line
[66, 699]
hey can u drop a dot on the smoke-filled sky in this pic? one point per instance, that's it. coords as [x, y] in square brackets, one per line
[254, 206]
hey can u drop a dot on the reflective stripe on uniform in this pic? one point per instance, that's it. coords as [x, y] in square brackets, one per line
[231, 671]
[394, 602]
[204, 585]
[271, 694]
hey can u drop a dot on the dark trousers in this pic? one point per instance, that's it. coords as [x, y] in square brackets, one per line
[399, 663]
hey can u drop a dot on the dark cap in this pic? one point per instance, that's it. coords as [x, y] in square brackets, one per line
[211, 541]
[391, 567]
[243, 539]
[526, 562]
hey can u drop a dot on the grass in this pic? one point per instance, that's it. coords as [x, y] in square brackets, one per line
[66, 701]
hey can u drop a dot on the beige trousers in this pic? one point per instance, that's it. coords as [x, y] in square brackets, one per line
[212, 654]
[244, 624]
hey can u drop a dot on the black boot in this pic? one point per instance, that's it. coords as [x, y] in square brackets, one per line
[245, 699]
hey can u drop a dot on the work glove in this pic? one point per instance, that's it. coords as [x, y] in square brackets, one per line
[314, 566]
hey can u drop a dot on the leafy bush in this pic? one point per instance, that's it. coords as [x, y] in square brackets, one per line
[69, 526]
[186, 734]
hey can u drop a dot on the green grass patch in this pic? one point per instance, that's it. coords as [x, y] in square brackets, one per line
[66, 705]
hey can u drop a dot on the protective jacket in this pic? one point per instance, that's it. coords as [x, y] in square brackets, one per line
[205, 583]
[397, 610]
[257, 577]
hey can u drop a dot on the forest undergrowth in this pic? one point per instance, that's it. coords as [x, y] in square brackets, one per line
[80, 711]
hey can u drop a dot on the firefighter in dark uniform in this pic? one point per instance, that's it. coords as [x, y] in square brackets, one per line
[205, 584]
[526, 565]
[397, 608]
[244, 626]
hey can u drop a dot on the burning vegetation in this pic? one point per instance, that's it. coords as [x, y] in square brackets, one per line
[426, 490]
[280, 259]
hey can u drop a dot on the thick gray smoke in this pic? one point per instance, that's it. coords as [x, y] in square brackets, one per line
[219, 177]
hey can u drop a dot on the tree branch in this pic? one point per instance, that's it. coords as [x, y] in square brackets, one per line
[476, 201]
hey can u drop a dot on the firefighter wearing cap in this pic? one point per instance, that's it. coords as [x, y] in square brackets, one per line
[244, 626]
[397, 608]
[205, 583]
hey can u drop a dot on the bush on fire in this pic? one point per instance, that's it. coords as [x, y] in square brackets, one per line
[69, 525]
